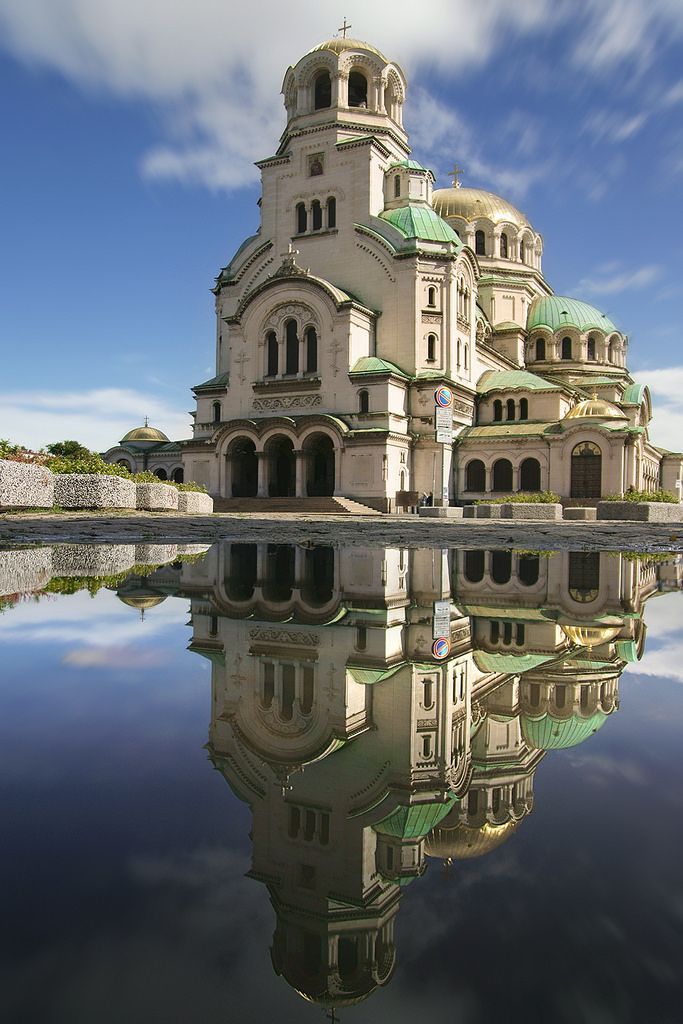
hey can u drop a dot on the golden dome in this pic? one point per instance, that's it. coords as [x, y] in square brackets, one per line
[595, 408]
[142, 603]
[145, 433]
[340, 44]
[590, 636]
[464, 842]
[472, 203]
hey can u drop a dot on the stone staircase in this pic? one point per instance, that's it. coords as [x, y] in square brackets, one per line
[303, 506]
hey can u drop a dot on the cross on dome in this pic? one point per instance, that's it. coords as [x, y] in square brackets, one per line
[344, 28]
[455, 175]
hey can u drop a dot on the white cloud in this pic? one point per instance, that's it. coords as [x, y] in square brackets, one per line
[614, 279]
[97, 418]
[666, 386]
[664, 657]
[611, 126]
[627, 30]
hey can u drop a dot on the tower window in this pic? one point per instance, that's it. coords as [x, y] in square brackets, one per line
[497, 410]
[397, 186]
[216, 412]
[358, 89]
[317, 215]
[431, 348]
[524, 409]
[480, 243]
[431, 296]
[311, 350]
[591, 349]
[566, 348]
[510, 408]
[363, 402]
[272, 367]
[504, 246]
[301, 218]
[540, 349]
[521, 252]
[323, 91]
[331, 212]
[292, 348]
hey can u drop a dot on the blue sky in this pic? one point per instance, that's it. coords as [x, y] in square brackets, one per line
[130, 132]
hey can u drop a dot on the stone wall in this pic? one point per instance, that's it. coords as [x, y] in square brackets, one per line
[90, 490]
[25, 486]
[641, 511]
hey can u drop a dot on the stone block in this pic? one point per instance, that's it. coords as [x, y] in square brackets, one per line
[93, 490]
[25, 486]
[440, 512]
[92, 559]
[469, 512]
[586, 514]
[194, 503]
[22, 572]
[155, 554]
[192, 549]
[488, 511]
[641, 511]
[157, 497]
[532, 511]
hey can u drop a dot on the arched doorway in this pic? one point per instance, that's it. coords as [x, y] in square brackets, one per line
[281, 468]
[502, 475]
[161, 473]
[178, 476]
[319, 465]
[530, 475]
[586, 472]
[244, 465]
[475, 476]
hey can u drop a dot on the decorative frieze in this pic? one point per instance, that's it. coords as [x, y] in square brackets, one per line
[287, 402]
[284, 636]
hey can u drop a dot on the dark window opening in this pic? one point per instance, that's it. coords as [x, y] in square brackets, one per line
[475, 476]
[474, 566]
[530, 475]
[540, 348]
[480, 243]
[591, 349]
[273, 353]
[301, 219]
[292, 347]
[363, 402]
[566, 348]
[317, 215]
[528, 569]
[311, 350]
[511, 408]
[431, 347]
[331, 212]
[502, 475]
[358, 90]
[397, 186]
[504, 246]
[501, 566]
[494, 634]
[524, 408]
[323, 91]
[216, 412]
[497, 410]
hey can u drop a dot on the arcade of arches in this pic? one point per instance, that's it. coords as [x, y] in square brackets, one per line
[279, 469]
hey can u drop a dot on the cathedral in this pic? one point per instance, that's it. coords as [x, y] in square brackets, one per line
[379, 339]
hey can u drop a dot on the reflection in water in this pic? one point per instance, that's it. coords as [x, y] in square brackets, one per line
[359, 753]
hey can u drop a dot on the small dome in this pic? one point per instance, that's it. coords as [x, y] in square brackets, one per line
[464, 842]
[558, 311]
[547, 733]
[473, 203]
[597, 409]
[145, 433]
[590, 636]
[339, 45]
[421, 222]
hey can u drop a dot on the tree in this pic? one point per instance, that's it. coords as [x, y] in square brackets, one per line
[69, 450]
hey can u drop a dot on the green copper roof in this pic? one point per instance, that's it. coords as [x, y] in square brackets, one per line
[508, 380]
[367, 676]
[503, 430]
[421, 222]
[221, 381]
[548, 733]
[634, 394]
[627, 651]
[373, 364]
[491, 661]
[557, 311]
[411, 165]
[414, 822]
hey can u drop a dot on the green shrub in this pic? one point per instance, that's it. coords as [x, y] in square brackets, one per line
[69, 450]
[89, 463]
[191, 486]
[632, 495]
[524, 497]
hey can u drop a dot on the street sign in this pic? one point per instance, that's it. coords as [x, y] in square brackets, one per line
[441, 648]
[444, 437]
[443, 418]
[443, 396]
[441, 619]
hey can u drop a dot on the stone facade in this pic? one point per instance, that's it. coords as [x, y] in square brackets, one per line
[364, 290]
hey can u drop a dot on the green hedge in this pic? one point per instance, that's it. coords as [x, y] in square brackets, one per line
[523, 497]
[660, 495]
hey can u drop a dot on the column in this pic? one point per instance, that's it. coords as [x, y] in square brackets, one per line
[227, 481]
[300, 473]
[262, 486]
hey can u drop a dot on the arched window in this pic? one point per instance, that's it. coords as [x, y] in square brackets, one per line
[507, 633]
[510, 406]
[428, 694]
[273, 352]
[474, 566]
[466, 356]
[361, 638]
[534, 695]
[358, 89]
[519, 634]
[502, 475]
[494, 632]
[540, 348]
[331, 212]
[475, 476]
[431, 296]
[501, 567]
[311, 350]
[566, 348]
[161, 473]
[521, 251]
[613, 352]
[591, 349]
[363, 402]
[323, 90]
[291, 347]
[480, 243]
[178, 476]
[301, 218]
[497, 410]
[528, 570]
[524, 408]
[504, 246]
[427, 746]
[317, 215]
[530, 475]
[431, 347]
[584, 575]
[397, 186]
[216, 412]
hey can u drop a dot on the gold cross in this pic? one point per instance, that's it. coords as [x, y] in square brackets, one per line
[455, 175]
[344, 28]
[290, 254]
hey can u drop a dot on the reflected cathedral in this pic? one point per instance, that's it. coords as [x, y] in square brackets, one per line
[360, 754]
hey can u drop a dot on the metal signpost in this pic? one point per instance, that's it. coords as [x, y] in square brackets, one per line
[443, 422]
[441, 619]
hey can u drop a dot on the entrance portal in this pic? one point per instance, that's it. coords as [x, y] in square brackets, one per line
[586, 471]
[319, 466]
[282, 469]
[242, 453]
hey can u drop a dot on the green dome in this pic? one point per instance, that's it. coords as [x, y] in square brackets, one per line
[416, 821]
[557, 311]
[548, 733]
[421, 222]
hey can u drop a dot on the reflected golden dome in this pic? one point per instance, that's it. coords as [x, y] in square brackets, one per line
[142, 603]
[145, 433]
[464, 842]
[597, 409]
[590, 636]
[473, 203]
